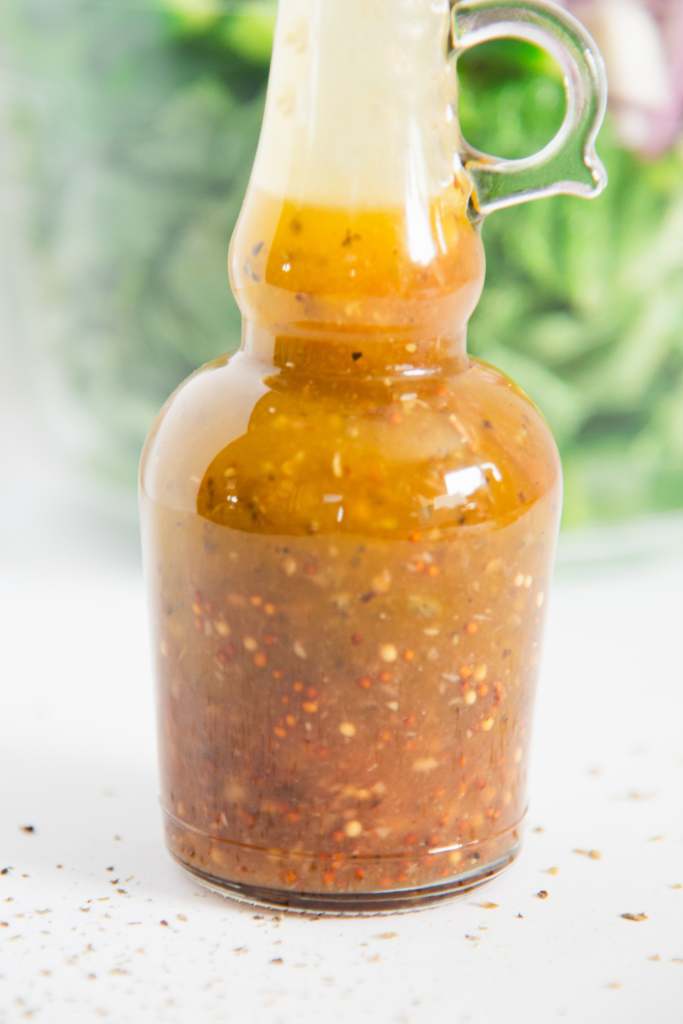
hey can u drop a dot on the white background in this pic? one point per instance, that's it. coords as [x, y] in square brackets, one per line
[77, 761]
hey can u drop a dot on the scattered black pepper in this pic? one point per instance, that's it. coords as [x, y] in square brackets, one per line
[29, 829]
[543, 894]
[356, 356]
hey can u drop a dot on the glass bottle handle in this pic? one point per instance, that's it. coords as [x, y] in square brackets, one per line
[569, 164]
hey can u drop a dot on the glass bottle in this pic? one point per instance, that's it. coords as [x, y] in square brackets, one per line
[349, 525]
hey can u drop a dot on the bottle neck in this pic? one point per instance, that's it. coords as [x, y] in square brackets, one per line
[355, 228]
[360, 107]
[355, 357]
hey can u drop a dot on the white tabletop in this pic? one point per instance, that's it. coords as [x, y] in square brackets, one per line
[98, 923]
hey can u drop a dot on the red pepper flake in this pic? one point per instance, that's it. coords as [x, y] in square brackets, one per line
[471, 628]
[329, 877]
[409, 655]
[256, 601]
[365, 682]
[260, 660]
[269, 608]
[360, 874]
[310, 707]
[298, 686]
[280, 732]
[356, 639]
[385, 677]
[290, 720]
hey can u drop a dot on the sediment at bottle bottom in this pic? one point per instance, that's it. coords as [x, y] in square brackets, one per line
[368, 885]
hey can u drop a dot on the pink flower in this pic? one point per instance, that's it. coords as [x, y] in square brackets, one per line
[642, 42]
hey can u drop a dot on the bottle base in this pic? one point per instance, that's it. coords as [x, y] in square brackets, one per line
[352, 904]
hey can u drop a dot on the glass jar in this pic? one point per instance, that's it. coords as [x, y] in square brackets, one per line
[349, 526]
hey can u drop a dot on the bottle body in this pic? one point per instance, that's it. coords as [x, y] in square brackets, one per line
[349, 526]
[346, 672]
